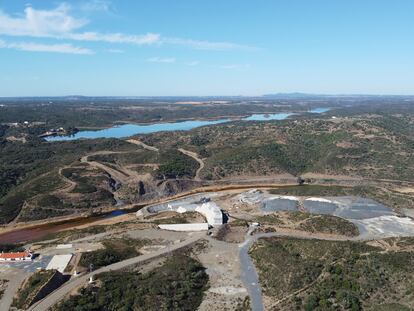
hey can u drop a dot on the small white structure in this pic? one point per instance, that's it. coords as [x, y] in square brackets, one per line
[211, 212]
[64, 246]
[59, 262]
[181, 210]
[185, 227]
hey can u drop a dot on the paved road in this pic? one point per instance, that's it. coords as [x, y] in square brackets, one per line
[60, 293]
[248, 273]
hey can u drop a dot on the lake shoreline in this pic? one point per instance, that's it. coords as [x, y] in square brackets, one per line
[122, 129]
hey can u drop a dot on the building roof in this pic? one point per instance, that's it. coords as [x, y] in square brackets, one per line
[15, 255]
[185, 227]
[59, 262]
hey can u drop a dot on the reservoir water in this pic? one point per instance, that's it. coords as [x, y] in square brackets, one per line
[266, 117]
[126, 130]
[319, 110]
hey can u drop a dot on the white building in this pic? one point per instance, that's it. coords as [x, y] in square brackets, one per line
[19, 256]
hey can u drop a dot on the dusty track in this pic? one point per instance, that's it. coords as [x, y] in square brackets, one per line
[71, 184]
[143, 145]
[195, 157]
[124, 174]
[119, 176]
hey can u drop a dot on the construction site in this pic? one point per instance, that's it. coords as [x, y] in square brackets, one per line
[222, 221]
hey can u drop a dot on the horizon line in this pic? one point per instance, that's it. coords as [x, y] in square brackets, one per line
[292, 94]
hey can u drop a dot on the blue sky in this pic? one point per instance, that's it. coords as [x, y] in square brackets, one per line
[215, 47]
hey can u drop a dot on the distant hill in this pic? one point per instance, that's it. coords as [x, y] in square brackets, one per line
[298, 95]
[295, 95]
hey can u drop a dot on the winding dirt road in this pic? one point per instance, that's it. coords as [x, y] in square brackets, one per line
[183, 151]
[195, 157]
[143, 145]
[119, 176]
[70, 183]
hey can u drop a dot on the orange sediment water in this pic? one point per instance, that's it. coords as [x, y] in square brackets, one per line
[40, 231]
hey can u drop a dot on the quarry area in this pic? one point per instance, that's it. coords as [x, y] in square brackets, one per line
[373, 219]
[216, 228]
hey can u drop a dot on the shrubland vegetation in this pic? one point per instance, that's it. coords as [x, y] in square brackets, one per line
[244, 305]
[73, 234]
[365, 146]
[370, 138]
[33, 167]
[172, 163]
[329, 275]
[176, 165]
[84, 113]
[138, 156]
[329, 224]
[30, 287]
[177, 285]
[308, 222]
[3, 286]
[5, 248]
[115, 250]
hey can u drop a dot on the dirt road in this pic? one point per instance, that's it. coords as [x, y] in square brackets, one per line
[118, 175]
[143, 145]
[15, 277]
[70, 183]
[195, 157]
